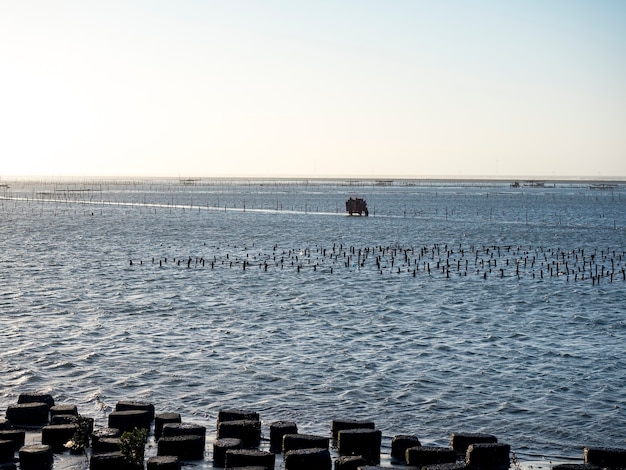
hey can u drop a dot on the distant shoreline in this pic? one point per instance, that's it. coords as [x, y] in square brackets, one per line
[377, 181]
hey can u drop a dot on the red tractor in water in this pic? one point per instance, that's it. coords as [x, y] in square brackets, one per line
[356, 206]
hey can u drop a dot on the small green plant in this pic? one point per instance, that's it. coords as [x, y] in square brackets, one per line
[80, 439]
[133, 445]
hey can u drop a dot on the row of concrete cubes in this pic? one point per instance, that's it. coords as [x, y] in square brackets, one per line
[35, 411]
[358, 444]
[57, 424]
[239, 435]
[128, 416]
[299, 451]
[474, 450]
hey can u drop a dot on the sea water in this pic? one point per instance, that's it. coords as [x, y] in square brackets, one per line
[453, 307]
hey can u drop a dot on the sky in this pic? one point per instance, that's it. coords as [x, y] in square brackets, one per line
[324, 88]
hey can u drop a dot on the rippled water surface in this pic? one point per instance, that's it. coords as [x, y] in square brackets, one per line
[452, 308]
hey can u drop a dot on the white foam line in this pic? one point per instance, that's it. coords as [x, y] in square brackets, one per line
[172, 206]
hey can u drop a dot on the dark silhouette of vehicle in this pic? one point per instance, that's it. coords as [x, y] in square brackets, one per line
[356, 206]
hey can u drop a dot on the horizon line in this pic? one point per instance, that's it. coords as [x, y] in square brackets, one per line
[381, 178]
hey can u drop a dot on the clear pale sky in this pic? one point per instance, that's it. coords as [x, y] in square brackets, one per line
[352, 88]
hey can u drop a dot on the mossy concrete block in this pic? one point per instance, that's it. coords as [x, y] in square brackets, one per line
[163, 462]
[89, 422]
[308, 459]
[494, 456]
[278, 429]
[399, 445]
[128, 405]
[249, 431]
[364, 442]
[184, 447]
[249, 458]
[459, 442]
[161, 419]
[127, 420]
[220, 446]
[304, 441]
[33, 414]
[423, 456]
[36, 457]
[36, 398]
[337, 425]
[605, 457]
[57, 435]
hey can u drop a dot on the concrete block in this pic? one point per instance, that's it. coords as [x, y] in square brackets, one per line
[399, 445]
[278, 429]
[304, 441]
[605, 457]
[494, 456]
[220, 446]
[57, 435]
[184, 447]
[249, 458]
[364, 442]
[236, 415]
[349, 462]
[33, 414]
[163, 418]
[36, 457]
[423, 456]
[127, 405]
[337, 425]
[308, 459]
[36, 398]
[127, 420]
[249, 431]
[461, 441]
[163, 462]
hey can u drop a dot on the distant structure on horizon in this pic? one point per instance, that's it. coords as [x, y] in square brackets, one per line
[531, 184]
